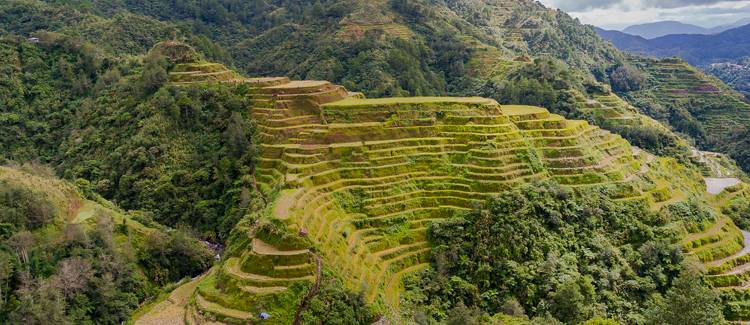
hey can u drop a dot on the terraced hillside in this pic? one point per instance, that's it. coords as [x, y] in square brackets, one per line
[356, 182]
[193, 72]
[724, 250]
[700, 106]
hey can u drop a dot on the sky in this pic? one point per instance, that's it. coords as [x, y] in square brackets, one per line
[618, 14]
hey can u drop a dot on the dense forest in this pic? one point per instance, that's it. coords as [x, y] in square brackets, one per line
[90, 272]
[179, 153]
[540, 251]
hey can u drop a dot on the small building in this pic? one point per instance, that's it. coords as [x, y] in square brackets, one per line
[33, 40]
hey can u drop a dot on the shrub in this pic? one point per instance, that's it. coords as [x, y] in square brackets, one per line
[626, 78]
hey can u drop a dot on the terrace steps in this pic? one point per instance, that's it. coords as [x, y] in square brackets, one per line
[215, 308]
[351, 170]
[728, 266]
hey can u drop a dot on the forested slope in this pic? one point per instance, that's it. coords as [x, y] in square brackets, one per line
[69, 257]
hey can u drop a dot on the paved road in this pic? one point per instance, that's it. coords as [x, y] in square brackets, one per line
[716, 185]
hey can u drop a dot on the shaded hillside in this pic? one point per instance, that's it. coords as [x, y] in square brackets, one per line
[177, 153]
[693, 103]
[412, 47]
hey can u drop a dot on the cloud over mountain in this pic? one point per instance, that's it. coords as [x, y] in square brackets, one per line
[616, 14]
[584, 5]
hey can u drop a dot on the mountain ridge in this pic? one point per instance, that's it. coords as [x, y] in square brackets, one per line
[663, 28]
[700, 50]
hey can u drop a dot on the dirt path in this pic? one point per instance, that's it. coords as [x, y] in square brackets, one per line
[171, 311]
[313, 291]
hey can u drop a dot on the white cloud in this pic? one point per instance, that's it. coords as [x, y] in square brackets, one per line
[617, 14]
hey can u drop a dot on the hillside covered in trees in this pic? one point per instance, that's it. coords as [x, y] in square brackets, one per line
[566, 185]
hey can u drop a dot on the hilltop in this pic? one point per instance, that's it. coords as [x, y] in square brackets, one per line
[665, 28]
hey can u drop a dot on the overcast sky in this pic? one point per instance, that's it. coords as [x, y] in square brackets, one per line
[617, 14]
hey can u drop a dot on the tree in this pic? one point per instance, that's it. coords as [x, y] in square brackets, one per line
[154, 73]
[40, 303]
[626, 78]
[571, 303]
[238, 135]
[22, 242]
[462, 315]
[6, 271]
[335, 305]
[688, 302]
[513, 308]
[73, 274]
[171, 257]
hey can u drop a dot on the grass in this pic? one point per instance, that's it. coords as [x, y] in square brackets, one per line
[518, 110]
[357, 102]
[300, 84]
[168, 308]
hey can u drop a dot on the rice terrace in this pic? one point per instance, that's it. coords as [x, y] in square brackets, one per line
[385, 162]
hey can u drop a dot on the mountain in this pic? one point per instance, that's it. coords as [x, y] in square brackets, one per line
[723, 28]
[699, 50]
[376, 199]
[360, 162]
[663, 28]
[721, 55]
[624, 41]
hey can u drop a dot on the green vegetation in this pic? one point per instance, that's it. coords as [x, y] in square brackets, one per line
[356, 102]
[545, 83]
[698, 106]
[57, 266]
[626, 78]
[326, 200]
[333, 305]
[572, 257]
[178, 153]
[364, 179]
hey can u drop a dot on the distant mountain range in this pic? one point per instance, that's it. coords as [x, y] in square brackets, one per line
[725, 55]
[700, 50]
[664, 28]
